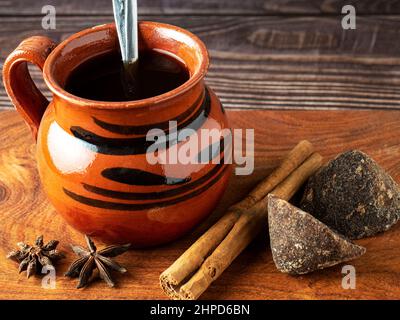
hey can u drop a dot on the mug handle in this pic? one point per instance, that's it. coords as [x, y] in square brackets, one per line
[26, 97]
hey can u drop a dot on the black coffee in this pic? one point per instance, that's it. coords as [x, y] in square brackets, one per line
[102, 78]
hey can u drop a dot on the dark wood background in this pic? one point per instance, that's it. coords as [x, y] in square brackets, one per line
[269, 54]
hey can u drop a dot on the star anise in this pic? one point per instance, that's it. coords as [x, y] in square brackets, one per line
[34, 258]
[92, 259]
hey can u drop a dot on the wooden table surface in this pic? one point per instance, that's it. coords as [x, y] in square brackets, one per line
[25, 213]
[286, 69]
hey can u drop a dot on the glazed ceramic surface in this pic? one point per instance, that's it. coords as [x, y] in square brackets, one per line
[92, 155]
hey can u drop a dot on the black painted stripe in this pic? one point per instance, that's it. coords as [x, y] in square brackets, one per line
[222, 107]
[137, 177]
[154, 195]
[142, 206]
[131, 146]
[142, 130]
[210, 152]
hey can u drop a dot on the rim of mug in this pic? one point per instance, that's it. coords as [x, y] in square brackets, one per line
[59, 91]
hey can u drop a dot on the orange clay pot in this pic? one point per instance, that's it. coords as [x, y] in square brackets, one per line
[92, 154]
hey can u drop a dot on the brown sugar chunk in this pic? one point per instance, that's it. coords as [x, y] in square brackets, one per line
[353, 195]
[302, 244]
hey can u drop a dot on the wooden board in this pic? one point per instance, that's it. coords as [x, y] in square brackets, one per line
[204, 7]
[270, 62]
[25, 213]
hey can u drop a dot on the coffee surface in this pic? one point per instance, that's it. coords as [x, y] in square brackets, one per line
[103, 78]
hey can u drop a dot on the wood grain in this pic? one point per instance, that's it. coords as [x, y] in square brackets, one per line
[274, 62]
[26, 213]
[204, 7]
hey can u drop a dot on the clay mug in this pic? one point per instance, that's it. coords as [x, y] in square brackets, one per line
[91, 155]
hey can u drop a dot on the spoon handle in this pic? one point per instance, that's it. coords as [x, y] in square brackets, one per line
[125, 15]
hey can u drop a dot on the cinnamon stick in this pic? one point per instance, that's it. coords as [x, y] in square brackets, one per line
[193, 258]
[244, 231]
[291, 162]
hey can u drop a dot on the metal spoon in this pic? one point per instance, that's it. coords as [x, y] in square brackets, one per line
[126, 16]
